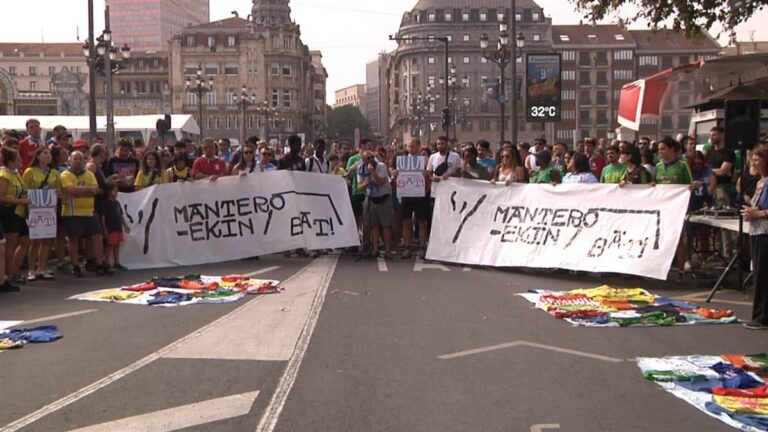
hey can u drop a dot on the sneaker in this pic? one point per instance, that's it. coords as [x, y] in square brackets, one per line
[47, 275]
[19, 279]
[406, 254]
[119, 266]
[753, 325]
[31, 277]
[77, 272]
[7, 286]
[104, 270]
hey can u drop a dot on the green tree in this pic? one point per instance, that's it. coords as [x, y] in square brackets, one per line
[688, 16]
[343, 121]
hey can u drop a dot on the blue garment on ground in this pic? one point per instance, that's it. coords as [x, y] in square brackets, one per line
[40, 334]
[735, 377]
[756, 421]
[170, 298]
[676, 303]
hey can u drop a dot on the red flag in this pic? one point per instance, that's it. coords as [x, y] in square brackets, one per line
[645, 97]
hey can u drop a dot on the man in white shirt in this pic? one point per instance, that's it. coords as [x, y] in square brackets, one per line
[445, 163]
[318, 163]
[378, 210]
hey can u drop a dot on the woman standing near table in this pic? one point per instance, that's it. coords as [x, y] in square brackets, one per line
[757, 216]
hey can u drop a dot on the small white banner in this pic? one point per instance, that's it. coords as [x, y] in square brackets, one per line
[410, 178]
[41, 214]
[594, 228]
[236, 217]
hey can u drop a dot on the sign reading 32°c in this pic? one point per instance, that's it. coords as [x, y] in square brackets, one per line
[542, 88]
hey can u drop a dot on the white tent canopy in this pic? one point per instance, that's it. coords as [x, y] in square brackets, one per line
[182, 124]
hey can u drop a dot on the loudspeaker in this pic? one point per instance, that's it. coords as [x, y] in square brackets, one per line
[742, 123]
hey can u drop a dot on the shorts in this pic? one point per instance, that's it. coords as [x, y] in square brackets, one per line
[14, 224]
[114, 238]
[357, 204]
[379, 214]
[81, 226]
[419, 206]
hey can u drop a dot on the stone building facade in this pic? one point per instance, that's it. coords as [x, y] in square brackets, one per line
[265, 53]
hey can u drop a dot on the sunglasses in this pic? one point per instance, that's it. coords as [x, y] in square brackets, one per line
[247, 152]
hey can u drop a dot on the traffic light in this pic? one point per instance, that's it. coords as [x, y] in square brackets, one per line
[446, 118]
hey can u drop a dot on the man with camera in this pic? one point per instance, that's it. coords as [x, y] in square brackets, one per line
[378, 212]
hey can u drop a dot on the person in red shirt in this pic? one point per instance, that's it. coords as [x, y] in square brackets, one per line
[596, 160]
[30, 144]
[209, 166]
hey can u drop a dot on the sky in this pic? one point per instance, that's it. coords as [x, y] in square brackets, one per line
[348, 32]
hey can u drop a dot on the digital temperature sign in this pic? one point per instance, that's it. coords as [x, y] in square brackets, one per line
[543, 84]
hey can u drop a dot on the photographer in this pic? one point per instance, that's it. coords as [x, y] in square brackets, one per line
[378, 213]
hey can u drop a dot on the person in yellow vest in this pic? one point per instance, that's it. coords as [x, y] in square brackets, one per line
[13, 201]
[79, 187]
[151, 171]
[41, 175]
[180, 171]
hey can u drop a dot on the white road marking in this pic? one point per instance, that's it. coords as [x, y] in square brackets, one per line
[109, 379]
[541, 427]
[382, 264]
[262, 271]
[181, 417]
[267, 330]
[420, 265]
[55, 317]
[272, 413]
[528, 344]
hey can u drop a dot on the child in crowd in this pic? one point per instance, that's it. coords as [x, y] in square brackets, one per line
[114, 224]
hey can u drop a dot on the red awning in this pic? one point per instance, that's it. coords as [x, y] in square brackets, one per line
[644, 98]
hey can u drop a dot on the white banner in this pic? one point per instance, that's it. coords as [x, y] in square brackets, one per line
[41, 213]
[594, 228]
[236, 217]
[410, 177]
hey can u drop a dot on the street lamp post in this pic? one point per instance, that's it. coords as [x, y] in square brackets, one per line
[90, 54]
[264, 110]
[502, 56]
[200, 89]
[102, 57]
[244, 101]
[454, 87]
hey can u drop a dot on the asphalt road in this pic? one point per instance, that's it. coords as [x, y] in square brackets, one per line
[350, 346]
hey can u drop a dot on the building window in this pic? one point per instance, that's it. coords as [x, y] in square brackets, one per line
[33, 85]
[616, 94]
[210, 98]
[569, 115]
[584, 78]
[648, 60]
[450, 60]
[585, 59]
[191, 99]
[536, 37]
[140, 64]
[231, 41]
[449, 37]
[518, 16]
[287, 42]
[602, 98]
[500, 16]
[465, 16]
[465, 60]
[584, 116]
[287, 70]
[274, 42]
[465, 38]
[569, 55]
[431, 81]
[666, 122]
[431, 38]
[623, 55]
[622, 74]
[602, 78]
[483, 60]
[535, 15]
[683, 121]
[275, 98]
[431, 17]
[274, 69]
[565, 134]
[32, 71]
[602, 118]
[231, 69]
[12, 70]
[191, 41]
[449, 16]
[684, 100]
[584, 98]
[485, 125]
[51, 70]
[569, 94]
[484, 17]
[430, 60]
[211, 41]
[287, 98]
[602, 58]
[569, 75]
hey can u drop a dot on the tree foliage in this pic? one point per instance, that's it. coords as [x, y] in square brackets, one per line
[343, 121]
[691, 17]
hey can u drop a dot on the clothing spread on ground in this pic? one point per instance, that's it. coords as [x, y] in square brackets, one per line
[623, 307]
[184, 290]
[18, 338]
[731, 388]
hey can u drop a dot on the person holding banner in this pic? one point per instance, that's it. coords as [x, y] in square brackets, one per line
[416, 204]
[13, 201]
[444, 164]
[471, 169]
[510, 169]
[209, 166]
[247, 163]
[151, 172]
[41, 175]
[545, 174]
[757, 215]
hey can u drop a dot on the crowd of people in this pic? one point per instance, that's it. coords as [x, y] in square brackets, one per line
[87, 179]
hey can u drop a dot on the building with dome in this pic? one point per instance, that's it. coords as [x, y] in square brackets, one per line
[265, 53]
[415, 67]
